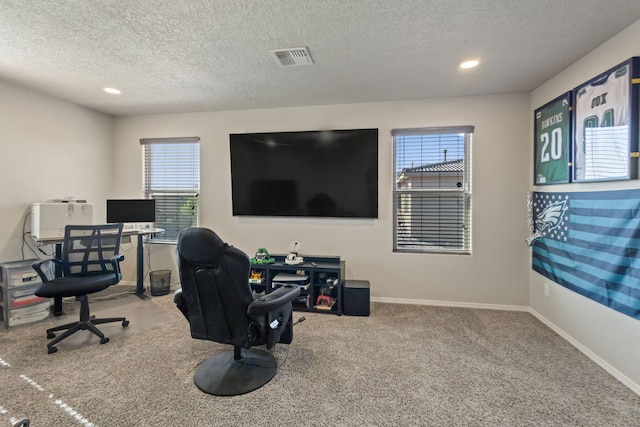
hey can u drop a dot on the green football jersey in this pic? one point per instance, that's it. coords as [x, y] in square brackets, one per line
[553, 124]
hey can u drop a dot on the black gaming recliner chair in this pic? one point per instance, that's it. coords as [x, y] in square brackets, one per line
[217, 300]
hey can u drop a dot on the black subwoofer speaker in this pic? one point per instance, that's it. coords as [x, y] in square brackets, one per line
[355, 298]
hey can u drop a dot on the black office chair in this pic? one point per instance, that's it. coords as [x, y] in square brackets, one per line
[217, 300]
[90, 262]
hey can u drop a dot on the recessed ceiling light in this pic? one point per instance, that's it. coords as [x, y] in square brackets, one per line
[112, 91]
[469, 64]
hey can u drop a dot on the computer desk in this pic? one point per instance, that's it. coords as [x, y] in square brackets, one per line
[139, 232]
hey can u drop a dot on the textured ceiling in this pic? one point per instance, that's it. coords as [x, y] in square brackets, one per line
[205, 55]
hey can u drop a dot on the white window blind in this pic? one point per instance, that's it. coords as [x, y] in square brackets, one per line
[432, 190]
[171, 176]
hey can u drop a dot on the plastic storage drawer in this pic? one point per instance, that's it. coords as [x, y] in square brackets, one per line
[32, 313]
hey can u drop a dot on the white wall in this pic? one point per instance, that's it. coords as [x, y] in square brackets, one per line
[50, 149]
[497, 271]
[607, 336]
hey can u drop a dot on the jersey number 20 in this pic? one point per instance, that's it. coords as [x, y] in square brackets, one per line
[551, 147]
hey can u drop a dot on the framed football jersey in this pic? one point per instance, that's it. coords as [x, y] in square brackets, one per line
[605, 139]
[552, 134]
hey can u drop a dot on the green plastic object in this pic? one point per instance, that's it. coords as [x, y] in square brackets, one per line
[262, 257]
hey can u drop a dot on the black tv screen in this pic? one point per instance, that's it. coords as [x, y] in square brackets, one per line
[131, 210]
[313, 173]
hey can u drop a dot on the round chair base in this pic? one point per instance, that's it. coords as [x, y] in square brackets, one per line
[222, 375]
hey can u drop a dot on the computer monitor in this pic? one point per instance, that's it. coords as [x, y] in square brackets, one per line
[131, 210]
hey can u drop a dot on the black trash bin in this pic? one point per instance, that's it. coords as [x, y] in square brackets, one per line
[160, 282]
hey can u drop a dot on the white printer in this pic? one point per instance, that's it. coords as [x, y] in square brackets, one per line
[48, 219]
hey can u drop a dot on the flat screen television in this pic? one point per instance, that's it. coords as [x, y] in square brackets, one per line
[131, 210]
[330, 173]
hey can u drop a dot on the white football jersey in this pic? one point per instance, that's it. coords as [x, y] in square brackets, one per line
[601, 127]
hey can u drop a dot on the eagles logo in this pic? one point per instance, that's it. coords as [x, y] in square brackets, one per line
[551, 216]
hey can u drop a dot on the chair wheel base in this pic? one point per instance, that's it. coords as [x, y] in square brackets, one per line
[125, 323]
[50, 335]
[51, 350]
[222, 375]
[104, 340]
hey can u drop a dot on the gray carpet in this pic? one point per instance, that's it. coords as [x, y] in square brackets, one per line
[403, 365]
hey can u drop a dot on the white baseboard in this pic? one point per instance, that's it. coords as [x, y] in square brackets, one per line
[591, 355]
[452, 304]
[127, 282]
[132, 283]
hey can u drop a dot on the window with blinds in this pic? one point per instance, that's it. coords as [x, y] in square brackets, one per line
[432, 190]
[171, 176]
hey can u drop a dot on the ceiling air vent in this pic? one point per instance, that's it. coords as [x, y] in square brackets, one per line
[291, 57]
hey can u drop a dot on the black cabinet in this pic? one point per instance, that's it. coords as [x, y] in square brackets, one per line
[320, 277]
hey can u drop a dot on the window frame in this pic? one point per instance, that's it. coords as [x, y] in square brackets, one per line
[465, 193]
[155, 191]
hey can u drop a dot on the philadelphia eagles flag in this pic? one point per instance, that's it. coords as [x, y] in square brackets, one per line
[591, 244]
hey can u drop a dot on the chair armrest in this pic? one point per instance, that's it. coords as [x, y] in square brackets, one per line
[178, 299]
[273, 300]
[38, 267]
[115, 262]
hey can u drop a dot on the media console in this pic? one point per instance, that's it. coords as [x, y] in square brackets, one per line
[320, 277]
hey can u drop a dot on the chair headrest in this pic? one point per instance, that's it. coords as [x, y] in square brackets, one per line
[199, 245]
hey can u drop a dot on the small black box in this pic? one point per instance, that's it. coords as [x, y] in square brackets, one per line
[355, 298]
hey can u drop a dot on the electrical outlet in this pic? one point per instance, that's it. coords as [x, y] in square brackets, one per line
[546, 289]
